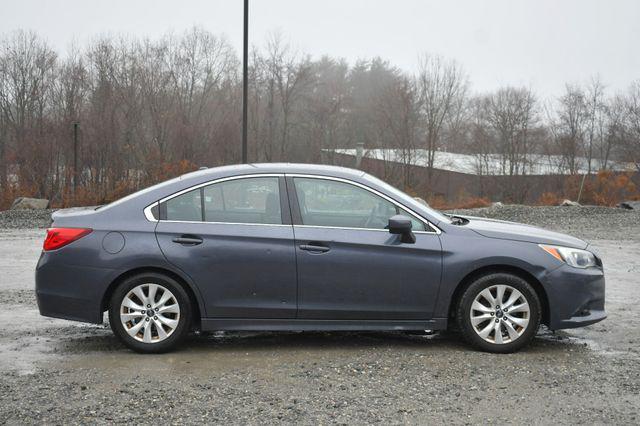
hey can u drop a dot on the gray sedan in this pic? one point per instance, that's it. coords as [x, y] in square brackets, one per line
[306, 247]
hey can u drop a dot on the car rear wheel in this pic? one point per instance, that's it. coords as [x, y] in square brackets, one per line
[499, 313]
[150, 313]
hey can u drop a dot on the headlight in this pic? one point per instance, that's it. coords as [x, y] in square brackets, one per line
[571, 256]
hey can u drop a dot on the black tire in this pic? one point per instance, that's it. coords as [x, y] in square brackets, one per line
[463, 312]
[181, 298]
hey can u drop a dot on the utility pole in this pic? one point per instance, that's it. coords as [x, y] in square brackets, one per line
[245, 68]
[75, 155]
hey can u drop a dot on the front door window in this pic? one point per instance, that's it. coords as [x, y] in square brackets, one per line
[332, 203]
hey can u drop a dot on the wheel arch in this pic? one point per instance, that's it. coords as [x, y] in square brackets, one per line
[195, 301]
[492, 269]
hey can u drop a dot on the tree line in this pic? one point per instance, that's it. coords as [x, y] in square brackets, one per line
[147, 110]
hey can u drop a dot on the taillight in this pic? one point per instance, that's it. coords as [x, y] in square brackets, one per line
[60, 237]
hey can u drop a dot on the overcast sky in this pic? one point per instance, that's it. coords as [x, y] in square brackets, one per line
[537, 43]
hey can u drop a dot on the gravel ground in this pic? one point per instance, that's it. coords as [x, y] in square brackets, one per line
[570, 219]
[588, 222]
[25, 219]
[55, 371]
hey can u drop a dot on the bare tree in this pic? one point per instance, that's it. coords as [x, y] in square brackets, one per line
[631, 142]
[440, 84]
[152, 109]
[324, 123]
[287, 75]
[26, 74]
[480, 139]
[569, 128]
[594, 111]
[398, 112]
[512, 113]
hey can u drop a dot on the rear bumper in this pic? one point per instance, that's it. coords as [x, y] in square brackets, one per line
[69, 308]
[576, 297]
[70, 291]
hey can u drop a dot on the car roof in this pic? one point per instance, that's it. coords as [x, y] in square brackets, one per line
[319, 169]
[162, 189]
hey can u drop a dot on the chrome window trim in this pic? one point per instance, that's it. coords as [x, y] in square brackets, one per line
[373, 191]
[211, 182]
[224, 223]
[149, 216]
[347, 228]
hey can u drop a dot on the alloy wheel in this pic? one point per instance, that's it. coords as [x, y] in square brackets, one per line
[150, 313]
[500, 314]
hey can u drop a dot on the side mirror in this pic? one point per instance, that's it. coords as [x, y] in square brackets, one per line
[401, 225]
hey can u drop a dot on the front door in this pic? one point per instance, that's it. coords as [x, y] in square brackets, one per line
[349, 266]
[235, 240]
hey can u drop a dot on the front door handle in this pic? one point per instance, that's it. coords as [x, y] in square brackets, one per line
[188, 240]
[314, 247]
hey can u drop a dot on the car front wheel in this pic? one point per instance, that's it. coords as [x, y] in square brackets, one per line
[150, 313]
[499, 313]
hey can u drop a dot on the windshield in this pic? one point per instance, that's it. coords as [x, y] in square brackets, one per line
[435, 214]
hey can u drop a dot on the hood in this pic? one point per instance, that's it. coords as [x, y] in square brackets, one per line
[504, 230]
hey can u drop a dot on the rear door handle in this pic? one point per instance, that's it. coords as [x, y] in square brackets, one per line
[318, 248]
[188, 240]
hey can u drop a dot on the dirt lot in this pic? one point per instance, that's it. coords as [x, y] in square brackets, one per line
[55, 371]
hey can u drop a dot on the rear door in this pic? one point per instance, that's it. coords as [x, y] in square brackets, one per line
[234, 238]
[349, 266]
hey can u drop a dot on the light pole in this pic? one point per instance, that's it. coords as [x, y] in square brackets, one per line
[76, 174]
[245, 59]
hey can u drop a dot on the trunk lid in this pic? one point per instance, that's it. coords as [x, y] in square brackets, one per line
[74, 214]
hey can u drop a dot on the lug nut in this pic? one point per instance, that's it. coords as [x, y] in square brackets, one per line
[492, 314]
[148, 306]
[155, 318]
[146, 319]
[498, 307]
[497, 320]
[157, 309]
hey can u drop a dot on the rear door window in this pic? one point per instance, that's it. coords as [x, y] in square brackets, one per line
[185, 207]
[248, 200]
[245, 200]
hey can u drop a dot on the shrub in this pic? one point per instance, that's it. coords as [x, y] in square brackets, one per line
[462, 202]
[549, 199]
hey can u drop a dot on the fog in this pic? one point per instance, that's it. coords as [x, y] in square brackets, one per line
[540, 44]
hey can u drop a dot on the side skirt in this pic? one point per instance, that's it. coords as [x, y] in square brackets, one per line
[225, 324]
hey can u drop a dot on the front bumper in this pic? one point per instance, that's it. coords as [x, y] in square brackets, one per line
[576, 297]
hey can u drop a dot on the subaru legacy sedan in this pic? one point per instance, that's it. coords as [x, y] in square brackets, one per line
[305, 247]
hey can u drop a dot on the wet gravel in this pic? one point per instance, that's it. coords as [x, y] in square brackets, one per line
[60, 372]
[588, 222]
[25, 219]
[18, 297]
[584, 221]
